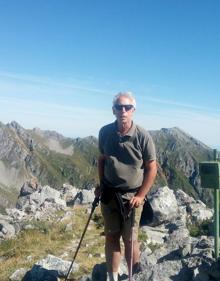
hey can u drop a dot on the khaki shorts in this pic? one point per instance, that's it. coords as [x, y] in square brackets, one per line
[113, 221]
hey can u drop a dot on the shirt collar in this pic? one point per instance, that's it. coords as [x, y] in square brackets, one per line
[131, 130]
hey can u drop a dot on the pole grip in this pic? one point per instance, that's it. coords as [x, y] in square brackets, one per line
[95, 203]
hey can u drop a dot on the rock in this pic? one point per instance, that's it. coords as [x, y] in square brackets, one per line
[18, 275]
[37, 273]
[56, 264]
[49, 269]
[87, 196]
[16, 215]
[46, 194]
[29, 227]
[155, 235]
[169, 252]
[165, 271]
[185, 250]
[40, 204]
[203, 246]
[183, 199]
[164, 205]
[199, 212]
[6, 230]
[29, 187]
[69, 193]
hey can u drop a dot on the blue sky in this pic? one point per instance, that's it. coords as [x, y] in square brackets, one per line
[61, 62]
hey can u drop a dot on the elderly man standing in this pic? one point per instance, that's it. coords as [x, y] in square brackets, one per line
[127, 169]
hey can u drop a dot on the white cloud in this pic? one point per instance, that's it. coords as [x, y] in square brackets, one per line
[75, 110]
[30, 84]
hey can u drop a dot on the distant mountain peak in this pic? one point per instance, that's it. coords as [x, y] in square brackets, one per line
[182, 136]
[53, 158]
[15, 125]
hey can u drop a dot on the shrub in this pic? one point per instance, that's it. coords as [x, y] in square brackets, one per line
[198, 229]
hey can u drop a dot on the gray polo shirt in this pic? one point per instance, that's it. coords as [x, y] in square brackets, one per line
[125, 155]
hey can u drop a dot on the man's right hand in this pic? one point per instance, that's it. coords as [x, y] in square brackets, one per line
[98, 191]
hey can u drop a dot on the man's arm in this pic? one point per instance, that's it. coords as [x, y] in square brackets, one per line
[150, 172]
[101, 163]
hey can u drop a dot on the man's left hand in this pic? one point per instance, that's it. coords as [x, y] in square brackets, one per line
[136, 201]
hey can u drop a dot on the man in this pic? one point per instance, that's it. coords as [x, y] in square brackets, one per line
[127, 169]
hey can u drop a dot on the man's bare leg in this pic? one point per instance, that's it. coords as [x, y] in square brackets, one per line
[136, 252]
[113, 255]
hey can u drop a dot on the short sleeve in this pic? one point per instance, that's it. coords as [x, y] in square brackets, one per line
[100, 141]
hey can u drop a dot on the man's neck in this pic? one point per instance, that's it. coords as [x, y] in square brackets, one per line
[123, 128]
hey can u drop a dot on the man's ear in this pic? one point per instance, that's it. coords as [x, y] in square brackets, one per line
[113, 110]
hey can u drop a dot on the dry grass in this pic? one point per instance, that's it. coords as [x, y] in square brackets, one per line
[92, 245]
[52, 238]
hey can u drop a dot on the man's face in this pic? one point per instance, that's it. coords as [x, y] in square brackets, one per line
[123, 113]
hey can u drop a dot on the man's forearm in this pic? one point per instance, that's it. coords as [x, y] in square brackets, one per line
[101, 163]
[149, 177]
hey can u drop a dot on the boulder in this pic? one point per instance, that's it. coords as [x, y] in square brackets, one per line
[40, 203]
[29, 187]
[18, 275]
[87, 196]
[7, 230]
[54, 263]
[69, 193]
[50, 269]
[199, 212]
[164, 204]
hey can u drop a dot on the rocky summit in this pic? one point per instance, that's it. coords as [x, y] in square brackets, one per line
[176, 245]
[177, 242]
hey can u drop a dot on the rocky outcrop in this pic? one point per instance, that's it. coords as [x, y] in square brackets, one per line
[37, 202]
[49, 268]
[168, 253]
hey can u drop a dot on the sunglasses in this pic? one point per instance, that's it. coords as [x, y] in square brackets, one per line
[127, 107]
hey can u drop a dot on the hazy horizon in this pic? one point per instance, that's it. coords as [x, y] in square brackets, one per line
[96, 136]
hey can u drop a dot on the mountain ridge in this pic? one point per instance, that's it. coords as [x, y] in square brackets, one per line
[54, 159]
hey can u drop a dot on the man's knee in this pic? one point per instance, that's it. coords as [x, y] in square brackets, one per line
[127, 243]
[113, 237]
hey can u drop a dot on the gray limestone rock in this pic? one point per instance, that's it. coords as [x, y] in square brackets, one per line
[18, 275]
[49, 269]
[7, 230]
[164, 205]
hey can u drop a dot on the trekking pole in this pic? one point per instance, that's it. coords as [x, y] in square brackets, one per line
[130, 269]
[94, 205]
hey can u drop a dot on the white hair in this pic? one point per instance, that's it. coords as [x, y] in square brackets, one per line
[128, 95]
